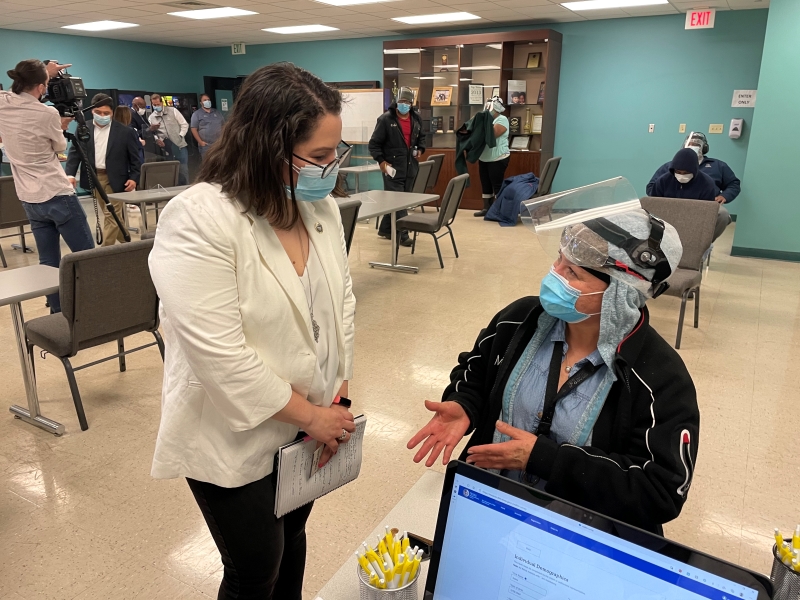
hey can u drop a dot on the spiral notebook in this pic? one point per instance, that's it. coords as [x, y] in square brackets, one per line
[297, 486]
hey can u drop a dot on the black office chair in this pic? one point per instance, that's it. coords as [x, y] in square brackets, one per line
[548, 175]
[348, 208]
[422, 178]
[433, 178]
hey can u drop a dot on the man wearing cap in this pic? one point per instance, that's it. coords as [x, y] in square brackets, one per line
[573, 391]
[727, 185]
[396, 144]
[113, 151]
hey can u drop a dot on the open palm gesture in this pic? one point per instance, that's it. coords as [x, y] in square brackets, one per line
[442, 433]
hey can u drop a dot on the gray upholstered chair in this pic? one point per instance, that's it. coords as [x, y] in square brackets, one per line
[11, 214]
[694, 221]
[548, 175]
[106, 295]
[421, 180]
[433, 223]
[348, 208]
[164, 173]
[433, 178]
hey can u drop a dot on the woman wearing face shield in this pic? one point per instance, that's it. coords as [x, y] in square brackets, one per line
[573, 391]
[257, 310]
[493, 162]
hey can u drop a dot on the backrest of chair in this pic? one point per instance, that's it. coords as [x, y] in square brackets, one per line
[548, 175]
[423, 176]
[12, 213]
[107, 290]
[452, 199]
[348, 208]
[163, 173]
[433, 178]
[694, 221]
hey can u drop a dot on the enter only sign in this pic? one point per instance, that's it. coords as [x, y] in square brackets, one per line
[743, 99]
[700, 19]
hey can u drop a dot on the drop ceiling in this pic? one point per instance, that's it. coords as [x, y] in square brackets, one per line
[367, 20]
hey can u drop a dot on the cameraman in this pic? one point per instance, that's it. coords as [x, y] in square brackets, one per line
[33, 136]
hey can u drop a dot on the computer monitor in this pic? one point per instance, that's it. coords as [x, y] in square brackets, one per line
[497, 539]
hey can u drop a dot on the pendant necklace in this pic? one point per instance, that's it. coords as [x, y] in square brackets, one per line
[314, 325]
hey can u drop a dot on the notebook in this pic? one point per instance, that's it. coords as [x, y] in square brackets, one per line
[293, 464]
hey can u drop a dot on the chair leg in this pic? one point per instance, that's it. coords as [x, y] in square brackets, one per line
[121, 349]
[31, 354]
[3, 259]
[697, 308]
[160, 343]
[453, 239]
[680, 320]
[438, 250]
[76, 395]
[414, 243]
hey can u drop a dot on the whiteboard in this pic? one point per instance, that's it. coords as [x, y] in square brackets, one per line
[360, 111]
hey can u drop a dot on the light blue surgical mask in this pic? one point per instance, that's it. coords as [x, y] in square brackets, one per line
[558, 298]
[310, 186]
[101, 120]
[158, 108]
[403, 108]
[206, 103]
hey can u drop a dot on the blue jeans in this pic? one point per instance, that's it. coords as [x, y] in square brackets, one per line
[182, 155]
[61, 216]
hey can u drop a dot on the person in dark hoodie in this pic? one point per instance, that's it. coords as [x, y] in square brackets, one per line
[396, 144]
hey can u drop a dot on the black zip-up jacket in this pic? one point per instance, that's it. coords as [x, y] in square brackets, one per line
[388, 144]
[644, 443]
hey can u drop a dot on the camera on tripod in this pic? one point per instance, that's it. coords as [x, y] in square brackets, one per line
[66, 93]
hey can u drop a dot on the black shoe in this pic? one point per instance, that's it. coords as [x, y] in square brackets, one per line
[386, 236]
[405, 242]
[481, 213]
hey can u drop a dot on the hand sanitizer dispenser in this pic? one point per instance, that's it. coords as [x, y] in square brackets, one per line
[735, 130]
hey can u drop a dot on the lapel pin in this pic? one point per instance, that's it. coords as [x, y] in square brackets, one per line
[318, 227]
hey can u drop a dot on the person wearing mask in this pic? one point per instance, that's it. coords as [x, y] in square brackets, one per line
[207, 124]
[727, 184]
[171, 134]
[396, 144]
[257, 248]
[33, 135]
[113, 151]
[146, 132]
[574, 392]
[685, 180]
[493, 162]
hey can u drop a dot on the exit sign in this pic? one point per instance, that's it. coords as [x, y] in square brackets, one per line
[700, 19]
[238, 48]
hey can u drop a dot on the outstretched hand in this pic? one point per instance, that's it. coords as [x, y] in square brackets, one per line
[512, 455]
[442, 433]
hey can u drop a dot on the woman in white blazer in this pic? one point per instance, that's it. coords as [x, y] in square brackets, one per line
[257, 310]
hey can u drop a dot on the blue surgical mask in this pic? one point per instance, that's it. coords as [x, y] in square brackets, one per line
[206, 103]
[310, 186]
[101, 120]
[158, 108]
[558, 298]
[403, 108]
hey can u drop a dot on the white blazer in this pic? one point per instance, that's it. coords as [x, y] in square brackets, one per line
[238, 333]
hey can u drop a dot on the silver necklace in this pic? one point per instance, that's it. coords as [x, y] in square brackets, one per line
[314, 325]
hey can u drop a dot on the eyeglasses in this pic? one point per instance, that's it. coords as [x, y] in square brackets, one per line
[343, 151]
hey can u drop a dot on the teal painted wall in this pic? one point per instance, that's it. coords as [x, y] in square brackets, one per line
[769, 204]
[103, 63]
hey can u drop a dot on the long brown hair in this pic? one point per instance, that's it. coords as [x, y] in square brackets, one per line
[123, 115]
[278, 107]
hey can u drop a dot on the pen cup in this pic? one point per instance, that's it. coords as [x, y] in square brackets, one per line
[785, 580]
[367, 592]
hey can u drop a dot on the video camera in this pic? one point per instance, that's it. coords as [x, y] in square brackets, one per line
[66, 93]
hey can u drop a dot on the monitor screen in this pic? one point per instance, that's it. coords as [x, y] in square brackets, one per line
[497, 546]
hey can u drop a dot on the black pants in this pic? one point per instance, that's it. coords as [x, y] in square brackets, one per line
[264, 558]
[492, 176]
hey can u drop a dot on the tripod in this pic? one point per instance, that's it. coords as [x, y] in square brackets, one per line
[78, 140]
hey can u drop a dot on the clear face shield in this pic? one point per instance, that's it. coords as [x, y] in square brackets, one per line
[578, 224]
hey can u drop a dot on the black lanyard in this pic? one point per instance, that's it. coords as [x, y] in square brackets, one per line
[552, 394]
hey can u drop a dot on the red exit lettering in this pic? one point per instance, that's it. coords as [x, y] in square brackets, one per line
[701, 18]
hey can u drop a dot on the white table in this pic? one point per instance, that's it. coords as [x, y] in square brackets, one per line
[416, 512]
[144, 197]
[359, 170]
[15, 286]
[376, 203]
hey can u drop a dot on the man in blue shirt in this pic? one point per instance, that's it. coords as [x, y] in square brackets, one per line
[207, 124]
[727, 184]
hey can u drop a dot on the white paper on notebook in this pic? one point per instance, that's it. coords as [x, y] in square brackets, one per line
[295, 488]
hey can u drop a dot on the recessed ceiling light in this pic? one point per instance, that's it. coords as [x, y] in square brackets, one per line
[600, 4]
[300, 29]
[213, 13]
[403, 51]
[350, 2]
[100, 26]
[440, 18]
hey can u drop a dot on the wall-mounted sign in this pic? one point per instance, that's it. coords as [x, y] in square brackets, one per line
[224, 105]
[701, 18]
[238, 48]
[744, 98]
